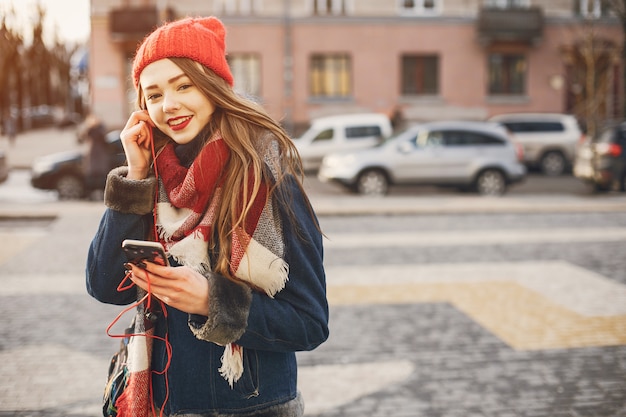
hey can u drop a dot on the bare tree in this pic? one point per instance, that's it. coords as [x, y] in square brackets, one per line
[618, 7]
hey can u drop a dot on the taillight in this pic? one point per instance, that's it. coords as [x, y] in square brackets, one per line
[609, 149]
[615, 150]
[519, 151]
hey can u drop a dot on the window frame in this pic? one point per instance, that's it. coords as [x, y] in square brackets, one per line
[418, 8]
[506, 86]
[248, 79]
[331, 74]
[329, 7]
[421, 67]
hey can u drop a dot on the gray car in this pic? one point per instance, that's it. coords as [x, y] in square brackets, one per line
[549, 139]
[467, 155]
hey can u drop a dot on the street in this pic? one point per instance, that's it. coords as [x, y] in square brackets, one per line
[468, 307]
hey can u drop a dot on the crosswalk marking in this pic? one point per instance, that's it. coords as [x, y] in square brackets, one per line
[528, 305]
[473, 237]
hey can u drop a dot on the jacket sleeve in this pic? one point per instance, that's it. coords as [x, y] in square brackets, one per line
[297, 318]
[127, 216]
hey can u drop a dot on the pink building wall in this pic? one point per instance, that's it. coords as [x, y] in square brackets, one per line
[375, 47]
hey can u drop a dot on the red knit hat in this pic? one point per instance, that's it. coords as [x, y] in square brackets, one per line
[201, 39]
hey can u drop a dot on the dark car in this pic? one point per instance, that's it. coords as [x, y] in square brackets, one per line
[4, 167]
[601, 161]
[64, 172]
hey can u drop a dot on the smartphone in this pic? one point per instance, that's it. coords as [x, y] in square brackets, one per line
[138, 251]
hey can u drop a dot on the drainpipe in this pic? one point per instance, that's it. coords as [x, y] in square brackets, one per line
[287, 69]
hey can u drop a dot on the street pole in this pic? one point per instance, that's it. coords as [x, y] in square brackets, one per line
[288, 68]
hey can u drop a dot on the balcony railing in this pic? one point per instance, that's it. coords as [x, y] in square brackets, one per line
[513, 25]
[133, 23]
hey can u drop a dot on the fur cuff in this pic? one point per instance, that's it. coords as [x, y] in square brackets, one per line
[129, 196]
[229, 306]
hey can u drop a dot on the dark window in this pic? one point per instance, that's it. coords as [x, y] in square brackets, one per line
[465, 138]
[484, 139]
[420, 74]
[326, 7]
[362, 131]
[592, 8]
[528, 127]
[507, 74]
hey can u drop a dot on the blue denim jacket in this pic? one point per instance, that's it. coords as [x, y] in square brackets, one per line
[295, 320]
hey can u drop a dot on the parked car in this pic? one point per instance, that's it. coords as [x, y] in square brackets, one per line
[338, 133]
[63, 171]
[466, 155]
[549, 139]
[601, 161]
[4, 167]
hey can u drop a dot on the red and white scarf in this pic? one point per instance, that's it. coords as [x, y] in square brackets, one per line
[187, 203]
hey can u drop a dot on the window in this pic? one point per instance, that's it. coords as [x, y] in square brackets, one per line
[358, 132]
[420, 74]
[246, 70]
[419, 6]
[330, 76]
[507, 74]
[323, 136]
[591, 8]
[434, 139]
[507, 4]
[526, 127]
[480, 139]
[236, 7]
[329, 7]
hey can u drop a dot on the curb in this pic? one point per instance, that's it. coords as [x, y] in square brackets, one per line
[326, 206]
[348, 206]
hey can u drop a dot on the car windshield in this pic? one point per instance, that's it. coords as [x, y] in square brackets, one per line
[405, 134]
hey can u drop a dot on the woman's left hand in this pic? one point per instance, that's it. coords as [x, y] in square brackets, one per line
[180, 287]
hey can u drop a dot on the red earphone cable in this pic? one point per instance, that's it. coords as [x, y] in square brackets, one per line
[147, 299]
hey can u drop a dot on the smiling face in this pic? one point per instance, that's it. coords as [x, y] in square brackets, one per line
[176, 106]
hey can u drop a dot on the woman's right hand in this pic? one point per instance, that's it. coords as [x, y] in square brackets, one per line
[136, 142]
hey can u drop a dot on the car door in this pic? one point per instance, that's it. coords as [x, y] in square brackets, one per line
[456, 156]
[324, 142]
[418, 158]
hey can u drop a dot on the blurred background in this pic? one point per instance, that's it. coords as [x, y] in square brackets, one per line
[442, 302]
[416, 61]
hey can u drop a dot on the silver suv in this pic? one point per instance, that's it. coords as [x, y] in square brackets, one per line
[549, 139]
[465, 155]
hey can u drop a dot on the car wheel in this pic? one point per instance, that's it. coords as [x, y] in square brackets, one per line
[491, 182]
[601, 188]
[70, 187]
[372, 182]
[553, 164]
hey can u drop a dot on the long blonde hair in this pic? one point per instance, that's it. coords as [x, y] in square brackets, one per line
[244, 127]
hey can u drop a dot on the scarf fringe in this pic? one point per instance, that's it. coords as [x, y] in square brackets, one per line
[232, 363]
[261, 268]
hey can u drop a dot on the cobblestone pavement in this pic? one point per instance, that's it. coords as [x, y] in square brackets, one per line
[445, 307]
[455, 319]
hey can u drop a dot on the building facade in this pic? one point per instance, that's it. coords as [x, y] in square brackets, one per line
[417, 59]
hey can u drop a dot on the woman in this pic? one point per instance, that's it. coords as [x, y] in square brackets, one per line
[244, 244]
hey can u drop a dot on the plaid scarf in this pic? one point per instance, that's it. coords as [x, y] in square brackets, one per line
[187, 203]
